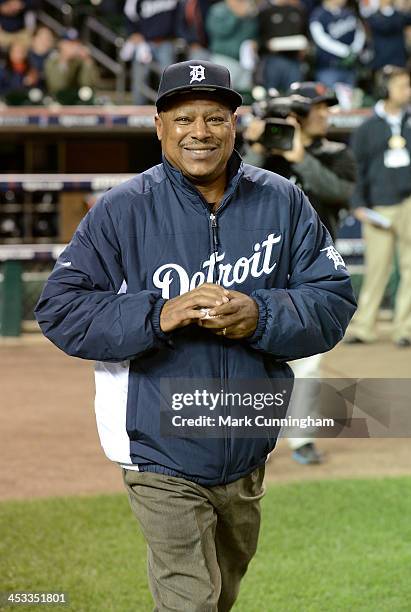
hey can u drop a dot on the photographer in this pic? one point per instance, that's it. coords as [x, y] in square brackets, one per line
[287, 136]
[324, 170]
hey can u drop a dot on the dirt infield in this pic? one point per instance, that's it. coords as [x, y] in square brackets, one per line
[49, 442]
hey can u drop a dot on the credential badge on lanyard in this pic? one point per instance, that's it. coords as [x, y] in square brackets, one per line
[397, 155]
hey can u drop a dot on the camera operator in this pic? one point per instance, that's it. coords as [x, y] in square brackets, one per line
[324, 170]
[288, 136]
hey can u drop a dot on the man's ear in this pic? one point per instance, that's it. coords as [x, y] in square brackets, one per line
[234, 121]
[159, 126]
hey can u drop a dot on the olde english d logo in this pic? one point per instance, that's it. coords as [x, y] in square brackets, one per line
[334, 255]
[260, 262]
[197, 73]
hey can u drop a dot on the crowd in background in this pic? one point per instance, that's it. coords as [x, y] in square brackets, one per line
[35, 59]
[272, 43]
[263, 42]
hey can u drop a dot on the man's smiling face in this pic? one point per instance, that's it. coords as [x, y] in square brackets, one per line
[197, 136]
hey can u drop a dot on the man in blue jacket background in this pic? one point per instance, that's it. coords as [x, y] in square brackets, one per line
[201, 268]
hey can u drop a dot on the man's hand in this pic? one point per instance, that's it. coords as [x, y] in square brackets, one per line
[136, 38]
[68, 51]
[238, 316]
[185, 309]
[83, 53]
[349, 61]
[296, 154]
[360, 213]
[31, 78]
[254, 129]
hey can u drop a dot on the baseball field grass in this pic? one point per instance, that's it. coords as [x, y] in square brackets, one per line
[331, 546]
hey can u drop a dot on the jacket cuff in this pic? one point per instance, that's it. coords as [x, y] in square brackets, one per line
[262, 320]
[155, 321]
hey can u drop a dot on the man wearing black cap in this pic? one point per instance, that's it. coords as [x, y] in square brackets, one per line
[326, 171]
[201, 271]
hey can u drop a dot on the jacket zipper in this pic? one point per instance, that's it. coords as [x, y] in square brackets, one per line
[213, 220]
[228, 438]
[227, 441]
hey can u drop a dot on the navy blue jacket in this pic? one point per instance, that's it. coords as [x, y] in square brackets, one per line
[150, 239]
[153, 19]
[343, 28]
[377, 185]
[388, 38]
[11, 81]
[14, 23]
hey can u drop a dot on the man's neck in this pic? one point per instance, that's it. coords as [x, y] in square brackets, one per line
[392, 109]
[213, 193]
[330, 6]
[307, 140]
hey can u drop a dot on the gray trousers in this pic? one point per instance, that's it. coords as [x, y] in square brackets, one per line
[199, 539]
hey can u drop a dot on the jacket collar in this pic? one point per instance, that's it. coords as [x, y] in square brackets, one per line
[317, 143]
[379, 110]
[235, 170]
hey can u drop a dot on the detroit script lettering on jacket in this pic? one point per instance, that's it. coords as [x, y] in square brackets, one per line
[228, 274]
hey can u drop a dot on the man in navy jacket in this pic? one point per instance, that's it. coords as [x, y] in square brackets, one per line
[201, 268]
[339, 38]
[382, 148]
[387, 27]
